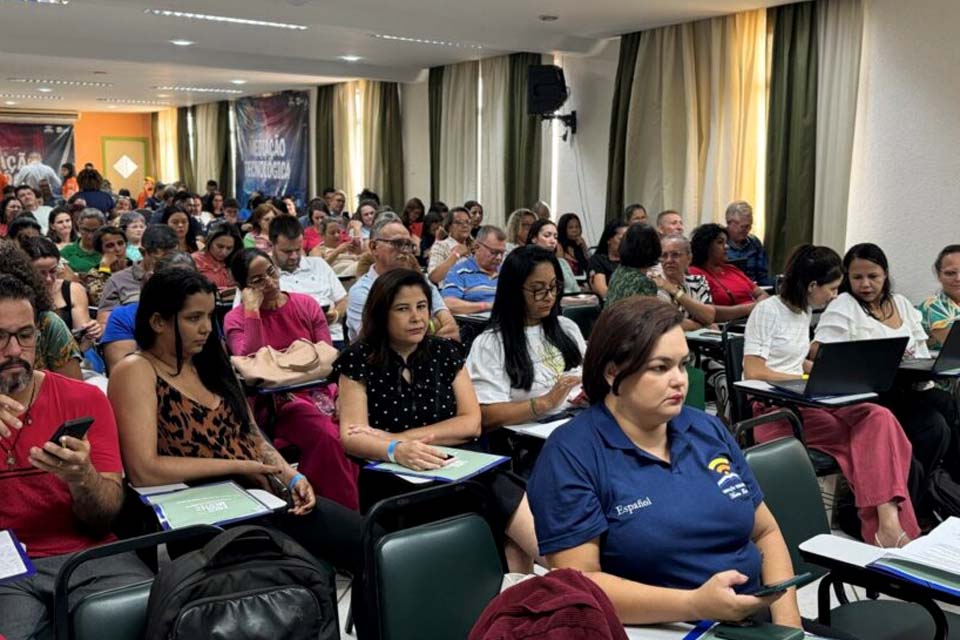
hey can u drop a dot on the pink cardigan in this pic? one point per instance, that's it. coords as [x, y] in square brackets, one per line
[300, 317]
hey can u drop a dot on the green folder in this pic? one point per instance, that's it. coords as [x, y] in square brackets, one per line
[217, 504]
[466, 464]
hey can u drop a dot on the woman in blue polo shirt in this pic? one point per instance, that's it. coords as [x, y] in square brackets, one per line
[650, 499]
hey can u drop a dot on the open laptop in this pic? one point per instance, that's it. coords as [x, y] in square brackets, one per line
[948, 359]
[856, 366]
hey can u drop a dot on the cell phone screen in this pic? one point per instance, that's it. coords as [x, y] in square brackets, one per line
[76, 428]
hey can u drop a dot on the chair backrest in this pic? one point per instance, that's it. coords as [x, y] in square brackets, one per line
[436, 579]
[789, 484]
[123, 611]
[584, 315]
[696, 388]
[733, 364]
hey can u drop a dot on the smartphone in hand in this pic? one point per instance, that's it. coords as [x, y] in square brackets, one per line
[769, 590]
[76, 428]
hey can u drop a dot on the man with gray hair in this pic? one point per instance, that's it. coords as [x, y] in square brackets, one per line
[744, 249]
[471, 284]
[392, 248]
[35, 171]
[82, 256]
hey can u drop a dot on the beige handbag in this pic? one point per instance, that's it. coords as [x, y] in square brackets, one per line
[303, 361]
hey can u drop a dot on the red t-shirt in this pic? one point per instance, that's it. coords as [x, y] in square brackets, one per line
[728, 285]
[38, 506]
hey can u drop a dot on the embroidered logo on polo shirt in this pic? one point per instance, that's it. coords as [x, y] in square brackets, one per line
[636, 505]
[729, 482]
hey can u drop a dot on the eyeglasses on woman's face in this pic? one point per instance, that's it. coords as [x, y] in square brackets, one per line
[259, 280]
[541, 293]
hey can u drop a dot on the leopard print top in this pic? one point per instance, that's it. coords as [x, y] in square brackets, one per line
[186, 428]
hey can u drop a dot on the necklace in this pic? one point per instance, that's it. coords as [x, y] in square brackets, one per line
[27, 421]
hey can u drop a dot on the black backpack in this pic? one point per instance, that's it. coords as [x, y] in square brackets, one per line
[248, 583]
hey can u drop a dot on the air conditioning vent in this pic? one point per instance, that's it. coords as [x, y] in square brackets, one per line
[38, 116]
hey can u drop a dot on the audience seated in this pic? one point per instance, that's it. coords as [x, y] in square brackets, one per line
[58, 498]
[518, 225]
[123, 287]
[403, 390]
[197, 427]
[81, 255]
[412, 217]
[23, 227]
[729, 286]
[340, 250]
[689, 293]
[10, 209]
[307, 275]
[260, 221]
[572, 245]
[541, 209]
[475, 209]
[30, 201]
[668, 222]
[634, 213]
[336, 202]
[742, 246]
[865, 439]
[391, 248]
[639, 254]
[543, 234]
[91, 190]
[942, 310]
[56, 349]
[231, 211]
[270, 316]
[111, 244]
[133, 224]
[458, 244]
[471, 284]
[867, 309]
[527, 361]
[365, 214]
[177, 218]
[222, 243]
[628, 491]
[60, 227]
[606, 258]
[118, 340]
[312, 224]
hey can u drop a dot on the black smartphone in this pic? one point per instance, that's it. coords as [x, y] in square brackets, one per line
[79, 333]
[760, 631]
[76, 428]
[769, 590]
[280, 490]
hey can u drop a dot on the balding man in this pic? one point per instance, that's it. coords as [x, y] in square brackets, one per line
[745, 249]
[471, 284]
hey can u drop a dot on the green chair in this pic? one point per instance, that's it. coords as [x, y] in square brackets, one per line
[114, 614]
[696, 388]
[432, 563]
[785, 474]
[584, 315]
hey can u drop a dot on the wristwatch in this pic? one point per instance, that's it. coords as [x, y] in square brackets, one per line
[677, 295]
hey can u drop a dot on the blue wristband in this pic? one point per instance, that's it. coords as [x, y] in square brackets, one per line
[294, 480]
[391, 450]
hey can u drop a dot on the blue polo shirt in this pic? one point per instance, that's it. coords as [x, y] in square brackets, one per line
[664, 524]
[120, 324]
[756, 264]
[467, 281]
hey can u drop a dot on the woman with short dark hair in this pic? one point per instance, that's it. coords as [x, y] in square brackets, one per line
[90, 182]
[639, 253]
[728, 284]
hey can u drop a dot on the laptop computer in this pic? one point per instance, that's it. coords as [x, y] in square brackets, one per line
[947, 360]
[856, 366]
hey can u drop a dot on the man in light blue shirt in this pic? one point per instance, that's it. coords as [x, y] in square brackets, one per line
[392, 248]
[35, 171]
[471, 284]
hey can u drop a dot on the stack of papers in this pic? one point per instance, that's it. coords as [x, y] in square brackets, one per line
[216, 504]
[14, 563]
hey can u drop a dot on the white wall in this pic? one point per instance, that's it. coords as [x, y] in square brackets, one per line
[415, 114]
[905, 184]
[582, 159]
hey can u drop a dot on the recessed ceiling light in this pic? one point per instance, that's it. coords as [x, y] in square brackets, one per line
[180, 89]
[64, 83]
[163, 95]
[350, 58]
[44, 89]
[238, 81]
[60, 3]
[9, 102]
[111, 106]
[182, 43]
[168, 13]
[437, 43]
[23, 96]
[131, 101]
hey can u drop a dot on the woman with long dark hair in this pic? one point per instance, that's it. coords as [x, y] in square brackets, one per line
[60, 227]
[182, 416]
[606, 258]
[403, 390]
[865, 439]
[222, 244]
[543, 233]
[68, 176]
[868, 309]
[570, 238]
[412, 217]
[526, 363]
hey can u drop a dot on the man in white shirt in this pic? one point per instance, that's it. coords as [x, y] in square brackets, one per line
[310, 276]
[35, 171]
[30, 201]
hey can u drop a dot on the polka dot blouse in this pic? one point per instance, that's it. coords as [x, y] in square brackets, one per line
[395, 405]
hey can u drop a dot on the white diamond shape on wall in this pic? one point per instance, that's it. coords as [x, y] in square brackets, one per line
[125, 166]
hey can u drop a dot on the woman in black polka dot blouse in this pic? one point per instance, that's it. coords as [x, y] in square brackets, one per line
[403, 390]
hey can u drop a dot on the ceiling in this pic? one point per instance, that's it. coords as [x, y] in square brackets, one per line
[117, 42]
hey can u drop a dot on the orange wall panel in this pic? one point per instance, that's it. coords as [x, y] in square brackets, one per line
[91, 127]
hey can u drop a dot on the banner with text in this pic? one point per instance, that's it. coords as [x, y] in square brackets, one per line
[54, 142]
[273, 147]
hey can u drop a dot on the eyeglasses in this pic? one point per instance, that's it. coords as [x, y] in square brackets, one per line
[88, 230]
[496, 253]
[257, 281]
[542, 293]
[460, 222]
[400, 244]
[26, 337]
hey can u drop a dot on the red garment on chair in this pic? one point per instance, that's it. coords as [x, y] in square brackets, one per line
[562, 605]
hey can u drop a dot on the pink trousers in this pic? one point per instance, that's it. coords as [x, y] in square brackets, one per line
[872, 451]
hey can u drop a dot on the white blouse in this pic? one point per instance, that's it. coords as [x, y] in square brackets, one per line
[487, 368]
[844, 319]
[779, 335]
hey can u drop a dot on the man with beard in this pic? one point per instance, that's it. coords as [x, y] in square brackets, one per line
[58, 498]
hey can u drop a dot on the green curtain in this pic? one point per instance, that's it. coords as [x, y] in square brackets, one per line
[435, 108]
[619, 116]
[792, 130]
[185, 156]
[391, 146]
[324, 134]
[223, 143]
[523, 135]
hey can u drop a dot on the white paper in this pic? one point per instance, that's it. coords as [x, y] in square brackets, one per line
[268, 500]
[939, 549]
[659, 632]
[11, 562]
[160, 488]
[852, 552]
[538, 430]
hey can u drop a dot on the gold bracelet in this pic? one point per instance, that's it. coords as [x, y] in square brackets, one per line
[533, 407]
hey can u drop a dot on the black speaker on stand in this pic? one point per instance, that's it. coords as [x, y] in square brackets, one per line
[546, 92]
